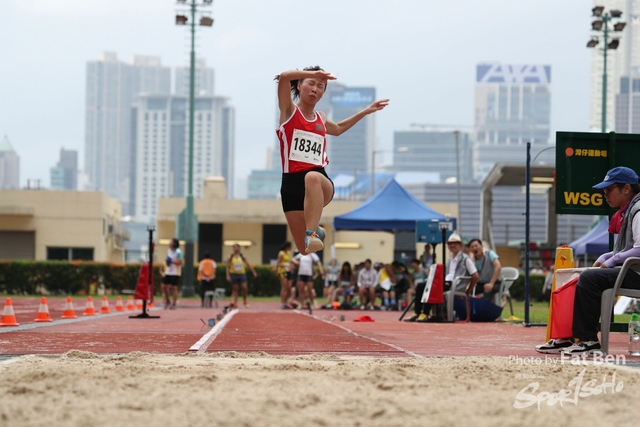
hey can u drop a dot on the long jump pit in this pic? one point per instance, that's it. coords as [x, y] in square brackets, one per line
[283, 368]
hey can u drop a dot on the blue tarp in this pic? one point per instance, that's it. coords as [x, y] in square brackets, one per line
[595, 242]
[391, 209]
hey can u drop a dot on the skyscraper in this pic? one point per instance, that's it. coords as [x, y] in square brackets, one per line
[111, 89]
[203, 80]
[9, 165]
[512, 107]
[434, 151]
[64, 176]
[160, 148]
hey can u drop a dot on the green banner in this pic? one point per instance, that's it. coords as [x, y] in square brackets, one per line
[582, 160]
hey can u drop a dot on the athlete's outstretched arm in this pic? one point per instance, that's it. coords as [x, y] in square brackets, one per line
[284, 88]
[336, 129]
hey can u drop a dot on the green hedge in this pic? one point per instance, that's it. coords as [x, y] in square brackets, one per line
[536, 281]
[63, 277]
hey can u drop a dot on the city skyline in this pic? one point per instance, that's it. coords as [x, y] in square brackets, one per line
[250, 44]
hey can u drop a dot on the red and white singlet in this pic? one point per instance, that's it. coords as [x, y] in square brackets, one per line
[303, 145]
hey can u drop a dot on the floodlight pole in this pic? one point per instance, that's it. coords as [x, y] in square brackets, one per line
[526, 236]
[187, 283]
[605, 20]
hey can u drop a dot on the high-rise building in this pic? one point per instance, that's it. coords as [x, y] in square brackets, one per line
[203, 80]
[512, 107]
[9, 165]
[64, 176]
[433, 151]
[161, 148]
[111, 89]
[353, 148]
[628, 106]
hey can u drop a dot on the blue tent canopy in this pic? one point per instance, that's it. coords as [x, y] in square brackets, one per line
[595, 242]
[391, 209]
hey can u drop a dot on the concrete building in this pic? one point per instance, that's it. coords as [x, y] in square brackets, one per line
[512, 107]
[60, 225]
[433, 151]
[160, 148]
[64, 176]
[203, 80]
[9, 165]
[111, 89]
[260, 228]
[621, 62]
[628, 106]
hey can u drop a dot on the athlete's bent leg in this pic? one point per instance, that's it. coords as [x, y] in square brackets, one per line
[318, 193]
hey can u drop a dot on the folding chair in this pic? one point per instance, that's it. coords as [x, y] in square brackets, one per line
[458, 288]
[509, 275]
[609, 298]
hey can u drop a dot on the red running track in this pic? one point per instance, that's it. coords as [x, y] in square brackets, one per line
[264, 327]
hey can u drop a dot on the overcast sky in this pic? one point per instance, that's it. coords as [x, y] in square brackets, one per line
[419, 53]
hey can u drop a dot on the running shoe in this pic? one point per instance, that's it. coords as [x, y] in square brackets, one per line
[312, 242]
[554, 346]
[321, 233]
[412, 318]
[422, 318]
[246, 306]
[583, 347]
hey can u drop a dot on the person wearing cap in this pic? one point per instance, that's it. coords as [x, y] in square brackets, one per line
[621, 190]
[459, 264]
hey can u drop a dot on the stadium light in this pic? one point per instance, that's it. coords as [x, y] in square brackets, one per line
[186, 221]
[602, 24]
[205, 21]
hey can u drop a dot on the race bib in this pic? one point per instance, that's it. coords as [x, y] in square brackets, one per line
[306, 147]
[238, 266]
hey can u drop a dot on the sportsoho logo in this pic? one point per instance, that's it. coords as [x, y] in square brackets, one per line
[576, 388]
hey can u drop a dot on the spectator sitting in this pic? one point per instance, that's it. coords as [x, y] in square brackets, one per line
[331, 281]
[489, 267]
[402, 282]
[426, 259]
[346, 284]
[458, 265]
[621, 190]
[418, 281]
[385, 281]
[367, 278]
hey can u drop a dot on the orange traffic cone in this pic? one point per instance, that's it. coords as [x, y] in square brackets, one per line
[139, 304]
[43, 312]
[69, 312]
[104, 308]
[130, 305]
[119, 305]
[8, 316]
[89, 310]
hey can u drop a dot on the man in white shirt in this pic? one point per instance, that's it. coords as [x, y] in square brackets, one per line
[306, 275]
[367, 278]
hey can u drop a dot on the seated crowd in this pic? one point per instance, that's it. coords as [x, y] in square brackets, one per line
[391, 286]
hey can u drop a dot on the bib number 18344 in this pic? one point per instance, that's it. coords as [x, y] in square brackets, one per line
[306, 147]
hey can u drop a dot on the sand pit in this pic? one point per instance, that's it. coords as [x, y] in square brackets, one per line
[233, 389]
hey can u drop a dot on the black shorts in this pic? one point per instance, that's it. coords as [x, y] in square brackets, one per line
[170, 280]
[292, 189]
[305, 278]
[238, 279]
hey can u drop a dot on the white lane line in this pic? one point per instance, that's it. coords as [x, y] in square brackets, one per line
[80, 318]
[410, 353]
[206, 340]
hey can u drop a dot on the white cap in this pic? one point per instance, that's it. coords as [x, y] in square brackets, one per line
[454, 238]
